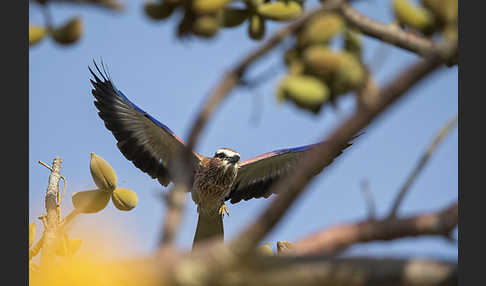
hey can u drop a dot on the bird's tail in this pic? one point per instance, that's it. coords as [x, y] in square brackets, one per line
[209, 226]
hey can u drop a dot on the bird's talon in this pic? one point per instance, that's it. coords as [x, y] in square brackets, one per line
[223, 209]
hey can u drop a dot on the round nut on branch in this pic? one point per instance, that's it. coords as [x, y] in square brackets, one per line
[36, 34]
[256, 27]
[284, 247]
[68, 33]
[103, 174]
[91, 201]
[320, 30]
[233, 17]
[206, 26]
[159, 10]
[265, 249]
[445, 10]
[341, 70]
[411, 15]
[280, 10]
[305, 91]
[124, 199]
[321, 60]
[208, 6]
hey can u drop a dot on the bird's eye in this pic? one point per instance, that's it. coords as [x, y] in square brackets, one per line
[219, 155]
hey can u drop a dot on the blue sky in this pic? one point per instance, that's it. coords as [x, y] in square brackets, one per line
[170, 79]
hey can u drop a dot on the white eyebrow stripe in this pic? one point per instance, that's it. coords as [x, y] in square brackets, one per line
[228, 153]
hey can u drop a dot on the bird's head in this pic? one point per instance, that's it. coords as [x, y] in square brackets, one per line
[227, 155]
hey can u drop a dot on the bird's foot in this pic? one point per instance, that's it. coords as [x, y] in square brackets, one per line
[223, 209]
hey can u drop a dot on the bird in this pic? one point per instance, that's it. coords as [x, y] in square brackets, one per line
[154, 148]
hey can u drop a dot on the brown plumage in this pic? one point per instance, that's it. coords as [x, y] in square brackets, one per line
[154, 149]
[212, 183]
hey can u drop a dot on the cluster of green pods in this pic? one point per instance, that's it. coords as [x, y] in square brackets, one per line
[105, 178]
[428, 18]
[212, 15]
[317, 72]
[65, 34]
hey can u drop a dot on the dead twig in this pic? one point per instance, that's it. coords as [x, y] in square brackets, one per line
[50, 232]
[443, 132]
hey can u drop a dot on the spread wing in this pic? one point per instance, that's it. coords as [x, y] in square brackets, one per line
[142, 139]
[256, 175]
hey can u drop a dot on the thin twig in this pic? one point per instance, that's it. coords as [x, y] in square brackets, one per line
[389, 33]
[175, 202]
[70, 217]
[110, 4]
[290, 188]
[443, 132]
[335, 239]
[370, 202]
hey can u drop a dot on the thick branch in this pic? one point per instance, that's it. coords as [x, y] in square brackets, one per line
[290, 188]
[49, 241]
[213, 266]
[338, 238]
[311, 271]
[446, 129]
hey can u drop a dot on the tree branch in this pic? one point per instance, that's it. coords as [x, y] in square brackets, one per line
[232, 78]
[290, 188]
[50, 231]
[389, 33]
[338, 238]
[213, 266]
[443, 132]
[229, 81]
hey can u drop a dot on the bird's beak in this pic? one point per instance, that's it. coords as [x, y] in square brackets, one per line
[235, 159]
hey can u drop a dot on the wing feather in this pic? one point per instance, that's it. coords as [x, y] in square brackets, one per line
[257, 175]
[142, 139]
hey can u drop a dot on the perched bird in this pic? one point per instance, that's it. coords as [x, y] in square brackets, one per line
[154, 149]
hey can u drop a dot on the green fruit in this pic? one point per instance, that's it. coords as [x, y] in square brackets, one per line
[233, 17]
[208, 6]
[321, 61]
[68, 33]
[31, 234]
[91, 201]
[206, 26]
[445, 10]
[265, 249]
[103, 174]
[414, 16]
[284, 247]
[256, 27]
[305, 91]
[320, 30]
[124, 199]
[159, 11]
[36, 34]
[280, 10]
[341, 70]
